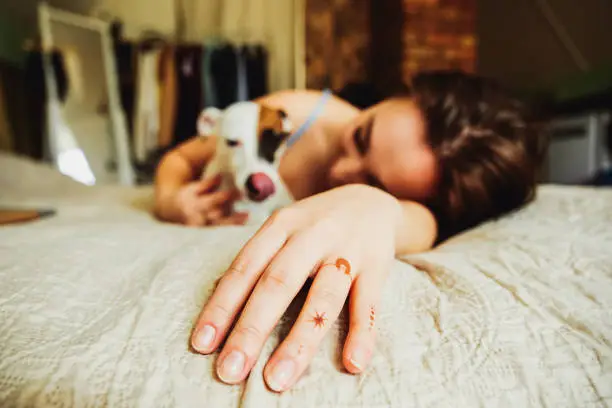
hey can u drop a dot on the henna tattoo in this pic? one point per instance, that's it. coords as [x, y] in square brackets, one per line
[341, 262]
[342, 265]
[372, 316]
[319, 319]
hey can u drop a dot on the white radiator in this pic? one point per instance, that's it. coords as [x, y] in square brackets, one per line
[577, 148]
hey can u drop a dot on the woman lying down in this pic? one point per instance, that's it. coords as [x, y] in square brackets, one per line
[368, 185]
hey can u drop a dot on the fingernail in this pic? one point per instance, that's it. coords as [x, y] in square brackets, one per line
[232, 366]
[205, 337]
[358, 358]
[282, 373]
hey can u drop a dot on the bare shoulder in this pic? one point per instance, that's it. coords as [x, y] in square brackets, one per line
[300, 103]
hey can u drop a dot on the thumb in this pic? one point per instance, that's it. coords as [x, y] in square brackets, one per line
[209, 184]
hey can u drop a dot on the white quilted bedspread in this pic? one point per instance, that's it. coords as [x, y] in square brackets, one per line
[96, 306]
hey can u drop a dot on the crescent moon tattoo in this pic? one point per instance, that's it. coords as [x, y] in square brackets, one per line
[341, 262]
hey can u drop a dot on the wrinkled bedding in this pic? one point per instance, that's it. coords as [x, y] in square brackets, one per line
[97, 303]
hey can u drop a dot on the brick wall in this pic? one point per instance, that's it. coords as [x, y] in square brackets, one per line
[439, 34]
[337, 42]
[435, 34]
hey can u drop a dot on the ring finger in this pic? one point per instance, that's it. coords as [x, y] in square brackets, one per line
[323, 305]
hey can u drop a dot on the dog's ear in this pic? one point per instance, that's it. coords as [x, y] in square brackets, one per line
[208, 120]
[286, 125]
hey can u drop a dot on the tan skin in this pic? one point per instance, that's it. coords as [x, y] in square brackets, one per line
[366, 173]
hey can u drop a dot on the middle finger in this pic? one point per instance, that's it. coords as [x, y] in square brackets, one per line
[278, 286]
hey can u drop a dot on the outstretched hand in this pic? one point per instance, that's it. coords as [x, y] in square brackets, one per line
[344, 239]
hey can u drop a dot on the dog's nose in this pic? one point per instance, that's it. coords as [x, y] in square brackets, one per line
[259, 186]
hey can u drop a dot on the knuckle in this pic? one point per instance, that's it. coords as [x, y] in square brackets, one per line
[276, 280]
[251, 333]
[219, 311]
[237, 271]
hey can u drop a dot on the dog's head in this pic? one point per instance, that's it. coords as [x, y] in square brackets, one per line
[254, 135]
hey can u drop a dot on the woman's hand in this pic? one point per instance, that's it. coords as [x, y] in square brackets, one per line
[200, 203]
[345, 239]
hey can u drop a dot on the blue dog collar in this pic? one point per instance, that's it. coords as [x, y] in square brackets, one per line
[317, 111]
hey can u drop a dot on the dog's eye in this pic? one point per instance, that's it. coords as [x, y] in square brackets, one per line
[269, 134]
[233, 143]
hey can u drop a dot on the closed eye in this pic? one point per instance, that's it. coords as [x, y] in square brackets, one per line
[362, 136]
[359, 142]
[233, 143]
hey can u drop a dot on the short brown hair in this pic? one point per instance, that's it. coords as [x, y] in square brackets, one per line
[487, 148]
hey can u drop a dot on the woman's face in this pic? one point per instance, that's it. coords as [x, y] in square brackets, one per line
[386, 147]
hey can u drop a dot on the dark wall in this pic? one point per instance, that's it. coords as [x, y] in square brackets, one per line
[517, 44]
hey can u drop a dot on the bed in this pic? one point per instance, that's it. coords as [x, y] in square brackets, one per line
[97, 303]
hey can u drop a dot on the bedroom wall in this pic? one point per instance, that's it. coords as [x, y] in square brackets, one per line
[337, 42]
[518, 46]
[439, 34]
[354, 41]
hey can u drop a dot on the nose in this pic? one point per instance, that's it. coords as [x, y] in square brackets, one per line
[259, 187]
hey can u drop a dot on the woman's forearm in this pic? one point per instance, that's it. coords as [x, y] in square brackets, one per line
[172, 173]
[176, 169]
[416, 230]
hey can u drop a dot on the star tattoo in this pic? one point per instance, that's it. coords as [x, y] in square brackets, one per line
[319, 319]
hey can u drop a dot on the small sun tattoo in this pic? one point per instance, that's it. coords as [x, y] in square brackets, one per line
[319, 319]
[372, 316]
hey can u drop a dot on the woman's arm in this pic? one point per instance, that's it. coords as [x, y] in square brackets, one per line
[177, 168]
[417, 229]
[352, 233]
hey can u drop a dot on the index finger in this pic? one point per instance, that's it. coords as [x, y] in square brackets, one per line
[235, 285]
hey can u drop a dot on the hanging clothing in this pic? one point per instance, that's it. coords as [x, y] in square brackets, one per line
[36, 95]
[189, 70]
[242, 91]
[209, 94]
[127, 68]
[168, 96]
[6, 132]
[224, 69]
[256, 58]
[146, 113]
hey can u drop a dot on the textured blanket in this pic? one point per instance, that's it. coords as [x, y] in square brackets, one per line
[97, 304]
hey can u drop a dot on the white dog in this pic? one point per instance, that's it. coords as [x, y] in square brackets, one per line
[251, 139]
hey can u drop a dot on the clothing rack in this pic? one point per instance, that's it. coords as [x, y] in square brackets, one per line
[165, 84]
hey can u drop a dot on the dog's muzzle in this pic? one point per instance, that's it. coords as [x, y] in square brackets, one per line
[259, 187]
